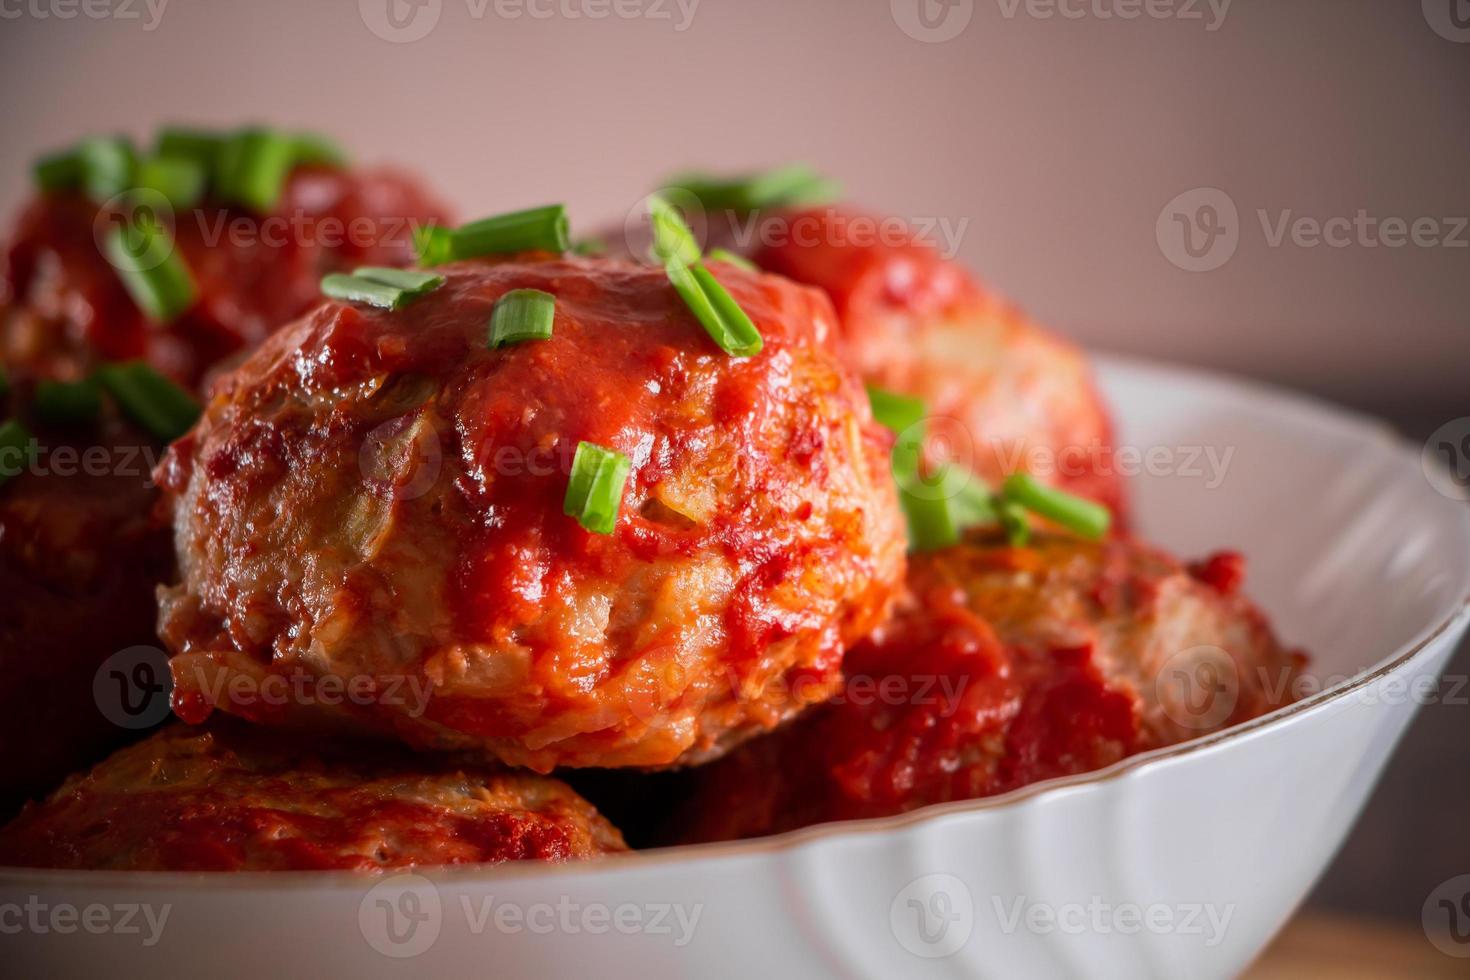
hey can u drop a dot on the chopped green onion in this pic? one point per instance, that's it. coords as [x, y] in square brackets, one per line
[536, 229]
[59, 171]
[792, 186]
[14, 439]
[715, 309]
[201, 146]
[928, 505]
[148, 398]
[897, 413]
[521, 315]
[412, 282]
[730, 258]
[975, 504]
[253, 167]
[1089, 519]
[319, 149]
[589, 247]
[431, 243]
[595, 491]
[1015, 522]
[67, 402]
[109, 166]
[151, 270]
[179, 179]
[354, 289]
[672, 239]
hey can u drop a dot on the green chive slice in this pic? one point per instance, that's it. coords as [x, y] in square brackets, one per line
[253, 166]
[672, 239]
[895, 412]
[432, 244]
[151, 269]
[413, 282]
[1089, 519]
[521, 315]
[730, 258]
[200, 145]
[535, 229]
[929, 507]
[715, 309]
[181, 180]
[154, 402]
[354, 289]
[318, 149]
[792, 186]
[67, 402]
[109, 166]
[14, 438]
[61, 171]
[595, 491]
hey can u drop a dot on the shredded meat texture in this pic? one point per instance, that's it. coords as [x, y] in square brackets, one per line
[375, 501]
[1006, 666]
[230, 799]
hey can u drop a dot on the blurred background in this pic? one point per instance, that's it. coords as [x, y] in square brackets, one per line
[1274, 189]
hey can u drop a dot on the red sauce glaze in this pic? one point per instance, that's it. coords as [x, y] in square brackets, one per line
[69, 309]
[804, 506]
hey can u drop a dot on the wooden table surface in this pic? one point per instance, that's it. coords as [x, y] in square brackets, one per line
[1321, 947]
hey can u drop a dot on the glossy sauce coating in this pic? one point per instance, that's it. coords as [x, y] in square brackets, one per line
[377, 497]
[1008, 666]
[231, 799]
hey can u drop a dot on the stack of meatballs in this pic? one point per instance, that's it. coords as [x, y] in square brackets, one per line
[502, 516]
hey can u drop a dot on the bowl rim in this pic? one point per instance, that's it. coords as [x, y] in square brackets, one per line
[1370, 428]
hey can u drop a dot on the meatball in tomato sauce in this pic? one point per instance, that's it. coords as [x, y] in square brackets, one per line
[379, 499]
[1006, 666]
[230, 799]
[1004, 395]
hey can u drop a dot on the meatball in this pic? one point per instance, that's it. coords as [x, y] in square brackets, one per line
[375, 499]
[66, 309]
[1006, 666]
[1004, 395]
[81, 554]
[228, 799]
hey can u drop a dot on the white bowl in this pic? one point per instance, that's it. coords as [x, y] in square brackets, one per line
[1180, 862]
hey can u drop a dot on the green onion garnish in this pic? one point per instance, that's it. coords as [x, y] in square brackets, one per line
[109, 166]
[730, 258]
[521, 315]
[537, 229]
[151, 269]
[413, 283]
[792, 186]
[181, 180]
[67, 402]
[253, 166]
[59, 171]
[929, 506]
[14, 439]
[1089, 519]
[353, 289]
[318, 149]
[595, 491]
[201, 146]
[672, 239]
[148, 398]
[897, 413]
[431, 243]
[589, 247]
[715, 309]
